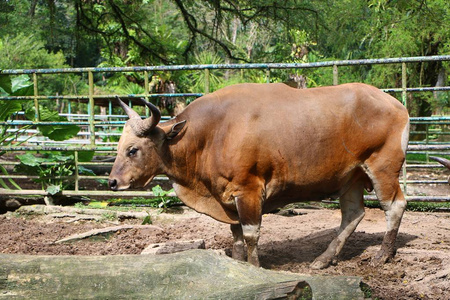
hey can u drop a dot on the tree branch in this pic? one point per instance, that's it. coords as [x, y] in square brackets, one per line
[118, 13]
[192, 25]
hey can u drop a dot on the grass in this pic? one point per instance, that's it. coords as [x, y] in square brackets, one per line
[411, 206]
[420, 157]
[161, 200]
[368, 293]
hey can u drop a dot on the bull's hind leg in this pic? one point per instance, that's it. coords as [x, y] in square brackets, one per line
[352, 208]
[393, 210]
[385, 178]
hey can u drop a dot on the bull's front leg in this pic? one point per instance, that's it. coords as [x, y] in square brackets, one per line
[249, 209]
[238, 242]
[251, 237]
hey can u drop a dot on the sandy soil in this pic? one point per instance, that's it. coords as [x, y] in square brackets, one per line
[420, 270]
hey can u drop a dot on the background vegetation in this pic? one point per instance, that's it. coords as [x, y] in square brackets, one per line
[80, 33]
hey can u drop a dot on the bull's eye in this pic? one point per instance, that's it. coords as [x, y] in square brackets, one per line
[132, 152]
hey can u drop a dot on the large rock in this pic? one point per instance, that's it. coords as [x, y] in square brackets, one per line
[195, 274]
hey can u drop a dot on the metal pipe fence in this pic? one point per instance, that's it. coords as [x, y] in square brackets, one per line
[97, 130]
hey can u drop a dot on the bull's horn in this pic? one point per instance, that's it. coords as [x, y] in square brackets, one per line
[443, 161]
[156, 114]
[128, 110]
[141, 127]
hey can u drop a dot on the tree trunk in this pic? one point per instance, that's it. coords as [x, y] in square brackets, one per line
[32, 10]
[196, 274]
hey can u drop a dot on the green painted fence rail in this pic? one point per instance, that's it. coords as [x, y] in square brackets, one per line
[237, 66]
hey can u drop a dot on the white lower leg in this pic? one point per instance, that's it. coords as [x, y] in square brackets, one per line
[251, 237]
[238, 242]
[394, 213]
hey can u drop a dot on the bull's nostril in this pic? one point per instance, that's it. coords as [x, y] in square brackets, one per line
[112, 184]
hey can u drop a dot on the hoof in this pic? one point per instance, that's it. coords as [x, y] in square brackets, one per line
[238, 254]
[380, 259]
[254, 261]
[319, 264]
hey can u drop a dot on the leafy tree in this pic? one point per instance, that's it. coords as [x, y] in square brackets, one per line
[27, 52]
[144, 32]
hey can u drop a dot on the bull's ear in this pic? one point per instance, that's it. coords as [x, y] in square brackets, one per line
[175, 129]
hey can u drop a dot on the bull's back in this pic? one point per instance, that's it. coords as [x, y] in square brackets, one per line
[272, 118]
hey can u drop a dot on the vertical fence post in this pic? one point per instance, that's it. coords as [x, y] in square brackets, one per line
[110, 112]
[69, 110]
[405, 103]
[91, 108]
[268, 75]
[146, 85]
[335, 75]
[146, 92]
[427, 141]
[206, 81]
[36, 103]
[76, 170]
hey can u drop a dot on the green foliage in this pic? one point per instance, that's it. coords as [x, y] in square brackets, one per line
[109, 216]
[16, 86]
[11, 181]
[55, 132]
[420, 157]
[161, 199]
[79, 205]
[153, 32]
[147, 220]
[198, 78]
[366, 290]
[427, 206]
[98, 204]
[27, 52]
[22, 86]
[133, 89]
[411, 206]
[53, 169]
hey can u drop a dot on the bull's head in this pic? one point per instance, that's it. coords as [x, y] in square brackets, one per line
[140, 149]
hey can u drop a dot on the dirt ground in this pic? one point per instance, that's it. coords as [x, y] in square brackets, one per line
[290, 242]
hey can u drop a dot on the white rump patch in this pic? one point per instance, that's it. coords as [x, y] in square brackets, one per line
[405, 137]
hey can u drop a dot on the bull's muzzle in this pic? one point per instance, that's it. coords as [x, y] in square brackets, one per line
[113, 184]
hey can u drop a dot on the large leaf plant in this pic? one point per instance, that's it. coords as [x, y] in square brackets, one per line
[52, 168]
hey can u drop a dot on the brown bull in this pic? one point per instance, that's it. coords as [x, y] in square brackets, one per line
[248, 149]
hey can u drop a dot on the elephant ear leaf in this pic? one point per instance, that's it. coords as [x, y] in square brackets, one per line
[30, 160]
[16, 86]
[53, 189]
[55, 132]
[21, 86]
[8, 108]
[5, 85]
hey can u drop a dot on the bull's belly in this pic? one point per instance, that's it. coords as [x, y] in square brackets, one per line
[279, 195]
[300, 194]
